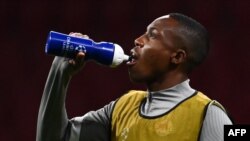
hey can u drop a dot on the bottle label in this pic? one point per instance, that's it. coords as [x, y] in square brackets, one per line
[70, 48]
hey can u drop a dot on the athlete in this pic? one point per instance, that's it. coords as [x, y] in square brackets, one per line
[170, 109]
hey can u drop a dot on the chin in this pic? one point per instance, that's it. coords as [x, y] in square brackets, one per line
[136, 78]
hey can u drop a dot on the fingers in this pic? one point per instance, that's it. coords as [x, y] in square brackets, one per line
[79, 35]
[72, 62]
[80, 57]
[79, 60]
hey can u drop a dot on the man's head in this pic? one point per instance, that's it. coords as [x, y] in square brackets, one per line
[172, 43]
[195, 39]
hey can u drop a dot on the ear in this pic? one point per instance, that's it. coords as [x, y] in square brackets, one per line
[179, 56]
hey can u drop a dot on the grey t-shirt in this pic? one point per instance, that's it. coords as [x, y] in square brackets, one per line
[96, 125]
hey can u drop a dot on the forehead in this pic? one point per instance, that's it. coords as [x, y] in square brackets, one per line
[164, 22]
[163, 17]
[170, 29]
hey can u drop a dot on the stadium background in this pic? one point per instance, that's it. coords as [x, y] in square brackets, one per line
[24, 25]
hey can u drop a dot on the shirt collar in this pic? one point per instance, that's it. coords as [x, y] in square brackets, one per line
[179, 91]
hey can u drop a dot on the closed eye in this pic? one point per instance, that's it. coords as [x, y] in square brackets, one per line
[152, 33]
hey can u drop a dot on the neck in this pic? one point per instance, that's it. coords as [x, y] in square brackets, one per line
[167, 81]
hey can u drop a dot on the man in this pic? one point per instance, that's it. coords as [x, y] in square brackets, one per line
[169, 110]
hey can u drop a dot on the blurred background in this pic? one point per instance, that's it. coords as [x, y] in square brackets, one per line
[25, 24]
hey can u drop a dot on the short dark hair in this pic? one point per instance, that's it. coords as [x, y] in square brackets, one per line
[198, 40]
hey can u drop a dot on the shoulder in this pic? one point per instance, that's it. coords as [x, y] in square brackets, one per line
[215, 111]
[215, 115]
[134, 93]
[215, 119]
[131, 97]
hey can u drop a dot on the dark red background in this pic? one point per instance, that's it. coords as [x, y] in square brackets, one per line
[24, 66]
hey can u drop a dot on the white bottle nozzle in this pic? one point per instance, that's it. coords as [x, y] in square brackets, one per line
[126, 57]
[119, 56]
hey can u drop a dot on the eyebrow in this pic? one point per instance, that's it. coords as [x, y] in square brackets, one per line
[151, 28]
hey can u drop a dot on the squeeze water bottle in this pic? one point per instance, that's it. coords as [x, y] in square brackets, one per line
[105, 53]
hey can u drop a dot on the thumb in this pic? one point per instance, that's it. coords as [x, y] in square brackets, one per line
[80, 57]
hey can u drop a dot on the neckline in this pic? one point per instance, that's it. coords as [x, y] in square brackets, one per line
[164, 113]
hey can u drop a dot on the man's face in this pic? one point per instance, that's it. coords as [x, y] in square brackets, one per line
[153, 50]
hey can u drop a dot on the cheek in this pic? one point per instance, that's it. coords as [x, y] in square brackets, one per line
[142, 71]
[156, 60]
[152, 63]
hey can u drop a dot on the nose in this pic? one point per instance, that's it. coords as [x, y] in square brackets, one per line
[139, 42]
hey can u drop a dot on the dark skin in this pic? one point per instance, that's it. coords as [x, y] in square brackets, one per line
[162, 58]
[158, 56]
[157, 61]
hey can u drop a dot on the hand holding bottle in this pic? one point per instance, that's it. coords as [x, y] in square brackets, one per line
[71, 66]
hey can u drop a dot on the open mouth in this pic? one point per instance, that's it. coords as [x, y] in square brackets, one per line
[132, 59]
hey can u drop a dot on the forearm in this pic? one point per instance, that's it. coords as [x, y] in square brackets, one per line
[52, 118]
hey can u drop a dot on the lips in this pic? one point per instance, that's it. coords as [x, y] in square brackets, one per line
[132, 59]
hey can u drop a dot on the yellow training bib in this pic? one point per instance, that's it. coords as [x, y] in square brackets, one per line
[182, 123]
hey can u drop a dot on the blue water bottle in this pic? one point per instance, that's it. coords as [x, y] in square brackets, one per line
[105, 53]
